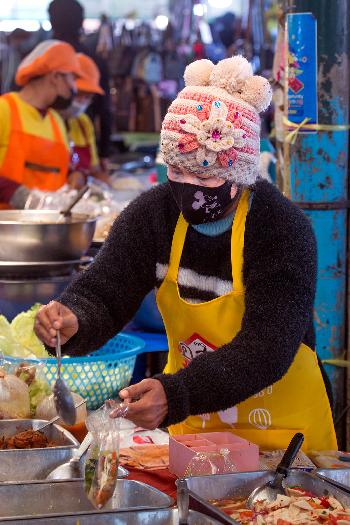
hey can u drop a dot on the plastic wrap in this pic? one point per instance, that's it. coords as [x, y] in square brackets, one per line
[46, 409]
[208, 463]
[101, 464]
[32, 374]
[14, 397]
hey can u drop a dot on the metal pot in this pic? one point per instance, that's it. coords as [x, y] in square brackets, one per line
[17, 296]
[35, 235]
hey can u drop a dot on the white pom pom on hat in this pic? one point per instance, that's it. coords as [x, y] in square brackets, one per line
[234, 75]
[198, 73]
[257, 92]
[231, 73]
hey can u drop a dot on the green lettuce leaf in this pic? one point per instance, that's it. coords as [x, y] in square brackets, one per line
[22, 330]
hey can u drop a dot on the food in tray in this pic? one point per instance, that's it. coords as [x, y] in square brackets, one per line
[145, 457]
[26, 439]
[330, 458]
[269, 459]
[297, 507]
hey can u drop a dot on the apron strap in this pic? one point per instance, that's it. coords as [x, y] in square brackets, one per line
[15, 116]
[56, 129]
[237, 241]
[177, 247]
[83, 130]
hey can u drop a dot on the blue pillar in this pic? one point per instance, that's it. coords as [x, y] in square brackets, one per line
[318, 167]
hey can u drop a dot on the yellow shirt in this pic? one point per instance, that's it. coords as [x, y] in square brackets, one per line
[32, 121]
[81, 132]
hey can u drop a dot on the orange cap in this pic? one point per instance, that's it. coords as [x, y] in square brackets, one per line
[89, 79]
[51, 55]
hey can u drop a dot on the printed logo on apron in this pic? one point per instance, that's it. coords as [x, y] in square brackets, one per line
[194, 346]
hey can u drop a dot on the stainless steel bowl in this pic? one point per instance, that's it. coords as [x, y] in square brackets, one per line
[19, 295]
[35, 235]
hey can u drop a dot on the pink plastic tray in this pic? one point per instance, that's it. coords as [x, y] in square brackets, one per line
[243, 454]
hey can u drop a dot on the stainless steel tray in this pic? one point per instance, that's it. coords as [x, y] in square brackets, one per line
[59, 498]
[240, 485]
[29, 464]
[338, 477]
[150, 517]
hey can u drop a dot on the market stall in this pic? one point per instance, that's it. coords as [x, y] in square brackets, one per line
[70, 452]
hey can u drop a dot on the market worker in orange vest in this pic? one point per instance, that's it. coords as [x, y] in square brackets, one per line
[81, 133]
[34, 150]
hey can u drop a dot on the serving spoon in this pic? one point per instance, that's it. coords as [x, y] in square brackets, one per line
[63, 398]
[273, 488]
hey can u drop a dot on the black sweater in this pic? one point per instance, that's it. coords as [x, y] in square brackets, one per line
[279, 274]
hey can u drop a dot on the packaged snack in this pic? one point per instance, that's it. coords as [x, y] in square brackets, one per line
[101, 464]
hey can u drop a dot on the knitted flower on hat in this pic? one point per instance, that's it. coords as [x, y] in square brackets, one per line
[213, 126]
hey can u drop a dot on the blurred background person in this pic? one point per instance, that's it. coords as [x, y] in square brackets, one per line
[81, 133]
[34, 149]
[66, 17]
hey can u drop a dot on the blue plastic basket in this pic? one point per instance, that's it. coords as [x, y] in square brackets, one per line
[99, 375]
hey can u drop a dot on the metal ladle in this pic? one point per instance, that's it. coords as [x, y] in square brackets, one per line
[273, 488]
[56, 418]
[63, 399]
[66, 212]
[72, 469]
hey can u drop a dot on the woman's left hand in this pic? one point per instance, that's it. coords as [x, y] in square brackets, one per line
[147, 405]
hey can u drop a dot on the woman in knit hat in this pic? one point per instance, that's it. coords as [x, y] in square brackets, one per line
[34, 151]
[234, 265]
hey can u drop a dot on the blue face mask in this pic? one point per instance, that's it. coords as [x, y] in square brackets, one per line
[199, 204]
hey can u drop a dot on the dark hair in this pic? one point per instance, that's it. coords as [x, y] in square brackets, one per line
[66, 17]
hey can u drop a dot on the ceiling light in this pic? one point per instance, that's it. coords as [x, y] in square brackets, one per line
[161, 22]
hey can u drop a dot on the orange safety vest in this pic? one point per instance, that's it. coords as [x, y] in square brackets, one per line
[33, 161]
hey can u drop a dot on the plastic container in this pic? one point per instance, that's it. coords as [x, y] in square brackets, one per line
[182, 449]
[99, 375]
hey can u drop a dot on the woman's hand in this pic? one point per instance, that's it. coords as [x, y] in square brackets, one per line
[52, 317]
[146, 403]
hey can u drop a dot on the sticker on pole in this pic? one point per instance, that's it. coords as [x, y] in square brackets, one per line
[302, 70]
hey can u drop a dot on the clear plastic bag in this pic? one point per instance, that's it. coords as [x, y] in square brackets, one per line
[101, 464]
[14, 397]
[208, 463]
[32, 374]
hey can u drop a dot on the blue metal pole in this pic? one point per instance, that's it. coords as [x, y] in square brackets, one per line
[318, 166]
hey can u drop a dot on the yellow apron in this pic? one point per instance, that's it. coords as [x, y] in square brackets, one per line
[298, 402]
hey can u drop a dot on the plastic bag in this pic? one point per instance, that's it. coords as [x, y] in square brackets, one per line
[14, 397]
[101, 464]
[209, 463]
[46, 409]
[33, 376]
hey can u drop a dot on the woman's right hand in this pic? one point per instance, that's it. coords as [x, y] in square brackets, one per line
[52, 317]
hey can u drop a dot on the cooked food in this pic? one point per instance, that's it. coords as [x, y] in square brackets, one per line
[26, 439]
[298, 507]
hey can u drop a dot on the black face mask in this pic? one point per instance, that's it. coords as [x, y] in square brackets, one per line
[60, 103]
[199, 204]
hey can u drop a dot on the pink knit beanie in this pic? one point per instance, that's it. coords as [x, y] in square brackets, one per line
[213, 126]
